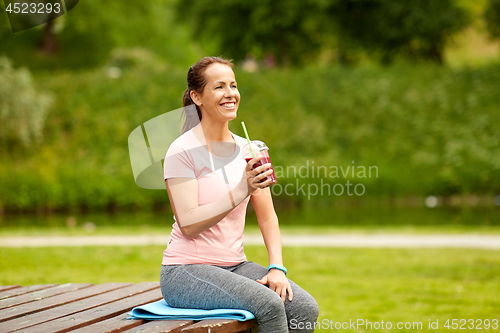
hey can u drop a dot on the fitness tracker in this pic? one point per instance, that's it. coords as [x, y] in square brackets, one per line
[279, 267]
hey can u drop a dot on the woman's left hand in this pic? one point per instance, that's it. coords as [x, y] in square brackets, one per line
[277, 281]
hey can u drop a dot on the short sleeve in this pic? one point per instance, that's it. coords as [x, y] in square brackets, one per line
[178, 163]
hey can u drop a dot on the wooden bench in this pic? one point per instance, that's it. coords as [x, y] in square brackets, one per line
[84, 307]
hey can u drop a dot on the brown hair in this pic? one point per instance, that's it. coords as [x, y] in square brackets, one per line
[196, 81]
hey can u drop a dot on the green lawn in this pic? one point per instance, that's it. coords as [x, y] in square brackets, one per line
[393, 285]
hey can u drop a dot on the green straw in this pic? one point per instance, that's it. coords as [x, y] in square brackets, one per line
[248, 138]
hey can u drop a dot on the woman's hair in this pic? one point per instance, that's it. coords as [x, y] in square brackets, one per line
[196, 81]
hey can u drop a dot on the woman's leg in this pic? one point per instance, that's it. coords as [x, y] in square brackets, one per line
[211, 287]
[302, 312]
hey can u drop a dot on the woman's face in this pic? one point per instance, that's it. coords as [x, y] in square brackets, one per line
[220, 97]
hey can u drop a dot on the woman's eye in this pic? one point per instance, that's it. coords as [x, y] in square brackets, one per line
[218, 87]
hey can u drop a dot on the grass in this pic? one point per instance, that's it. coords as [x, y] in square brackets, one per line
[396, 285]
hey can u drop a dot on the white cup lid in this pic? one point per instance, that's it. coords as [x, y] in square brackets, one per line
[257, 146]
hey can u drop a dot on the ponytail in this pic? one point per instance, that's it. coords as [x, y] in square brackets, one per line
[190, 112]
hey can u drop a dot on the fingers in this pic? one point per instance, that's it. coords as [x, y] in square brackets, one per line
[255, 184]
[263, 281]
[251, 163]
[290, 292]
[256, 178]
[279, 287]
[262, 168]
[282, 293]
[263, 175]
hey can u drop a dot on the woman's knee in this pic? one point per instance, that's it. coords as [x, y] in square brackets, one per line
[271, 306]
[303, 308]
[270, 314]
[312, 309]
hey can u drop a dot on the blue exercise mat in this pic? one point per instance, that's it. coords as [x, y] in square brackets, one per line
[160, 310]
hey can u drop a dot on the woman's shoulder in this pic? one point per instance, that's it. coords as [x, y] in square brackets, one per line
[185, 141]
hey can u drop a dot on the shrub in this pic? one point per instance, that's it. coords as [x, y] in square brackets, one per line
[23, 109]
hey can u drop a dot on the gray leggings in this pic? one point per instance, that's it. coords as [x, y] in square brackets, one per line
[235, 287]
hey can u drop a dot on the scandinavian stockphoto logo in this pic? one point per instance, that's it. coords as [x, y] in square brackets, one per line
[149, 142]
[28, 14]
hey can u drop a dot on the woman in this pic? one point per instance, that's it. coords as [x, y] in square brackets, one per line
[209, 185]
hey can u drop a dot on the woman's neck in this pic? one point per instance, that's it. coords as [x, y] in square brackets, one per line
[216, 131]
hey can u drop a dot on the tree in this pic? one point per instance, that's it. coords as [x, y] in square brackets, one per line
[416, 29]
[492, 18]
[85, 36]
[290, 30]
[296, 30]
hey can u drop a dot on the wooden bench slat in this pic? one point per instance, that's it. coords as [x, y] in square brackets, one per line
[3, 288]
[94, 315]
[52, 302]
[161, 326]
[38, 295]
[103, 308]
[74, 307]
[220, 326]
[112, 325]
[24, 290]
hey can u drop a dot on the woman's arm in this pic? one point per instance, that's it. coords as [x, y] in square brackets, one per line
[269, 227]
[194, 219]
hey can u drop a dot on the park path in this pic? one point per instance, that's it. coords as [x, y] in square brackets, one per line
[333, 240]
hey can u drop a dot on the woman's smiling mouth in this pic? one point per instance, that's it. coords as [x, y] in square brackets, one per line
[228, 105]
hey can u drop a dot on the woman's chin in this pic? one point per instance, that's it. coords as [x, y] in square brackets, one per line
[225, 115]
[230, 115]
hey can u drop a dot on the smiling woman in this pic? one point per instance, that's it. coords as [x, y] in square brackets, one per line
[209, 185]
[197, 78]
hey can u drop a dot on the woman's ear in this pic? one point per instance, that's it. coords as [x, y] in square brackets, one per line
[195, 97]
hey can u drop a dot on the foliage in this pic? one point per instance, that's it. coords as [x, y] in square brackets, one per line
[492, 18]
[414, 29]
[85, 36]
[429, 130]
[287, 29]
[23, 109]
[296, 31]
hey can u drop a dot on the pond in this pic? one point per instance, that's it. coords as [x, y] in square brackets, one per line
[314, 219]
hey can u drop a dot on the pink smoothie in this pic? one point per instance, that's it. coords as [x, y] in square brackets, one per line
[264, 160]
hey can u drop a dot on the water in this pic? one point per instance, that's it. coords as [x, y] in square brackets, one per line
[308, 219]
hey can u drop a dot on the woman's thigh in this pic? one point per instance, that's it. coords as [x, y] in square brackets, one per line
[302, 311]
[211, 287]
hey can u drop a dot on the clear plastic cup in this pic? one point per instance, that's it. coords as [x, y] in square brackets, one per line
[259, 148]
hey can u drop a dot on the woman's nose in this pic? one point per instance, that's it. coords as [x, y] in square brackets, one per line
[229, 92]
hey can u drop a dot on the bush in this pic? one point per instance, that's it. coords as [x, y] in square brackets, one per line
[428, 129]
[23, 109]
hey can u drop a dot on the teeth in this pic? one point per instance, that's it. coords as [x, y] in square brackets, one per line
[228, 105]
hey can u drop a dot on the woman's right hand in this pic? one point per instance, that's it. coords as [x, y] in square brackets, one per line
[254, 176]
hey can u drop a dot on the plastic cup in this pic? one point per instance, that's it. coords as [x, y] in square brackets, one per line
[259, 148]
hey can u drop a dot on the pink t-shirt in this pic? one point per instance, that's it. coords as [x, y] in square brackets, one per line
[222, 244]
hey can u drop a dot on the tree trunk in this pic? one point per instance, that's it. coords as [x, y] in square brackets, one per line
[435, 53]
[49, 43]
